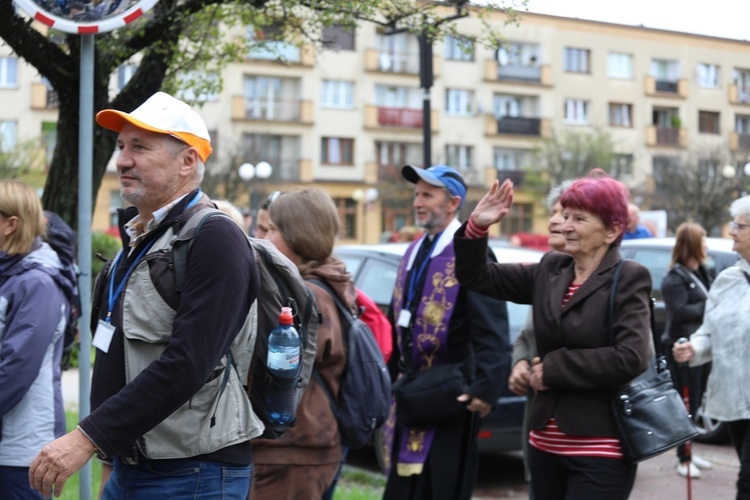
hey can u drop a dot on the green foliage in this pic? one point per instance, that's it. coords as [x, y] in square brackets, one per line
[17, 160]
[105, 245]
[569, 154]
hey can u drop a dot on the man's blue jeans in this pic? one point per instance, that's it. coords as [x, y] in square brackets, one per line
[179, 479]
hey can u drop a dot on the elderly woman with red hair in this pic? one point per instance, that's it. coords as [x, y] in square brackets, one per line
[575, 450]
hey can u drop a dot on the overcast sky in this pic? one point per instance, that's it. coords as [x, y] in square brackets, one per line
[723, 18]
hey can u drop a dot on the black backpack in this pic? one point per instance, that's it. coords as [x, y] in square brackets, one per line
[364, 398]
[280, 286]
[62, 239]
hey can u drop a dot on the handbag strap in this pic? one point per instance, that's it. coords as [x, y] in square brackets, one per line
[611, 312]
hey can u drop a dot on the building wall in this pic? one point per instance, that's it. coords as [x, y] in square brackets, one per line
[552, 34]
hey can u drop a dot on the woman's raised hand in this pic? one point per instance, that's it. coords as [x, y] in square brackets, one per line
[495, 204]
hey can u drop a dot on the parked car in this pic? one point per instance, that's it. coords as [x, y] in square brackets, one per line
[374, 269]
[656, 255]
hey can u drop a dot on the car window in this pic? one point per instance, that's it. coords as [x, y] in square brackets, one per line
[353, 263]
[377, 279]
[655, 260]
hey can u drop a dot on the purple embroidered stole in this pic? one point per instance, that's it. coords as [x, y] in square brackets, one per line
[430, 347]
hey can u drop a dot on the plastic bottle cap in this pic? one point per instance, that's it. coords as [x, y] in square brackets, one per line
[286, 317]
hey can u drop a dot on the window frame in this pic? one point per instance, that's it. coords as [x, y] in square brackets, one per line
[585, 106]
[327, 142]
[572, 62]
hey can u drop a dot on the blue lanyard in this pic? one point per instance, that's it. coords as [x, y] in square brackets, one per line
[113, 295]
[416, 277]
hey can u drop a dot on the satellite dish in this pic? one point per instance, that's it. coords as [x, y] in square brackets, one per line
[85, 17]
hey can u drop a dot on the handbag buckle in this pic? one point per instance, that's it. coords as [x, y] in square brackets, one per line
[626, 405]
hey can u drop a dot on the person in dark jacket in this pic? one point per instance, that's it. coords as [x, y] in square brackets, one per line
[35, 289]
[575, 449]
[685, 290]
[303, 463]
[167, 405]
[439, 322]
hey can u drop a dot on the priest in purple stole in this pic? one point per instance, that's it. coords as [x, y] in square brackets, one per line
[436, 322]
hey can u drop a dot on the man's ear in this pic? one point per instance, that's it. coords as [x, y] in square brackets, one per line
[189, 162]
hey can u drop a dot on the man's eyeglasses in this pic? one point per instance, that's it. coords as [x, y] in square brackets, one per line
[736, 226]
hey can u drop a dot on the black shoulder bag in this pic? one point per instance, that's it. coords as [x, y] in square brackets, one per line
[650, 414]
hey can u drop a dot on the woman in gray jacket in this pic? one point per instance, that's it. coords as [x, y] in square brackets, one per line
[723, 339]
[33, 287]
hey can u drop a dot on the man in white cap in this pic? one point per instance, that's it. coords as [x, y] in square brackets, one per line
[168, 409]
[439, 323]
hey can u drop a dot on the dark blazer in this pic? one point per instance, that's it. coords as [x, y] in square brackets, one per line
[581, 368]
[684, 302]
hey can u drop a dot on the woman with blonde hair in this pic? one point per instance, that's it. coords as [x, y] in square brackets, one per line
[685, 290]
[34, 297]
[304, 461]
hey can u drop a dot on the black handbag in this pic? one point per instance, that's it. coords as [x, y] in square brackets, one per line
[429, 397]
[650, 414]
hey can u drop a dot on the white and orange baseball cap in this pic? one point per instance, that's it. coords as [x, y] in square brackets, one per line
[163, 114]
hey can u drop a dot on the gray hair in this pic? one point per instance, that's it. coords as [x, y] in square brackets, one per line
[741, 206]
[556, 192]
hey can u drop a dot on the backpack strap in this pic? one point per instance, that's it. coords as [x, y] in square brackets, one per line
[184, 235]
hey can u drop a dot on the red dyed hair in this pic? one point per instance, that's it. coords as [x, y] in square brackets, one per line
[602, 196]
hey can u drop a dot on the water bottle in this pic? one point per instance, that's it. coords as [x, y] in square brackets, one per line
[283, 363]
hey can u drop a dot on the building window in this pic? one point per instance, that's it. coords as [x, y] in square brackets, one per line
[8, 72]
[337, 151]
[576, 111]
[124, 74]
[742, 124]
[459, 102]
[508, 160]
[621, 166]
[620, 65]
[707, 75]
[708, 122]
[338, 38]
[337, 94]
[268, 44]
[459, 48]
[576, 60]
[8, 135]
[459, 157]
[620, 114]
[49, 140]
[518, 220]
[199, 86]
[347, 208]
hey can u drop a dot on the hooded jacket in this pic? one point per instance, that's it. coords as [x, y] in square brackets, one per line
[34, 291]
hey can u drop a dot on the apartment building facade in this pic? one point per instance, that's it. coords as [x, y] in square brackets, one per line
[347, 117]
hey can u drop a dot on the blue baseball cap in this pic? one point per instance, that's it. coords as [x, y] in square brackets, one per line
[437, 175]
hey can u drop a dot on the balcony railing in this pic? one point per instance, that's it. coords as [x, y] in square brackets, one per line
[516, 176]
[279, 110]
[667, 86]
[518, 125]
[398, 62]
[523, 73]
[400, 117]
[744, 141]
[667, 136]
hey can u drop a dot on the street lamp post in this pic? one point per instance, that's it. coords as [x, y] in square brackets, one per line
[247, 172]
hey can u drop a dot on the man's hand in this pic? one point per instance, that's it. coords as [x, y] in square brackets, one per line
[537, 375]
[520, 377]
[59, 460]
[475, 404]
[494, 205]
[683, 352]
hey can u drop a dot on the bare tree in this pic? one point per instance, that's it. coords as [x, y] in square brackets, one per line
[696, 188]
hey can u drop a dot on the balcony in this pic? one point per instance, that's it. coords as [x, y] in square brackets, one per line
[399, 63]
[541, 75]
[666, 88]
[739, 142]
[285, 53]
[515, 125]
[279, 110]
[402, 118]
[43, 98]
[666, 136]
[738, 95]
[516, 176]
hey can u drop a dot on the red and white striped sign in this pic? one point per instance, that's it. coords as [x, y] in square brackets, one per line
[85, 17]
